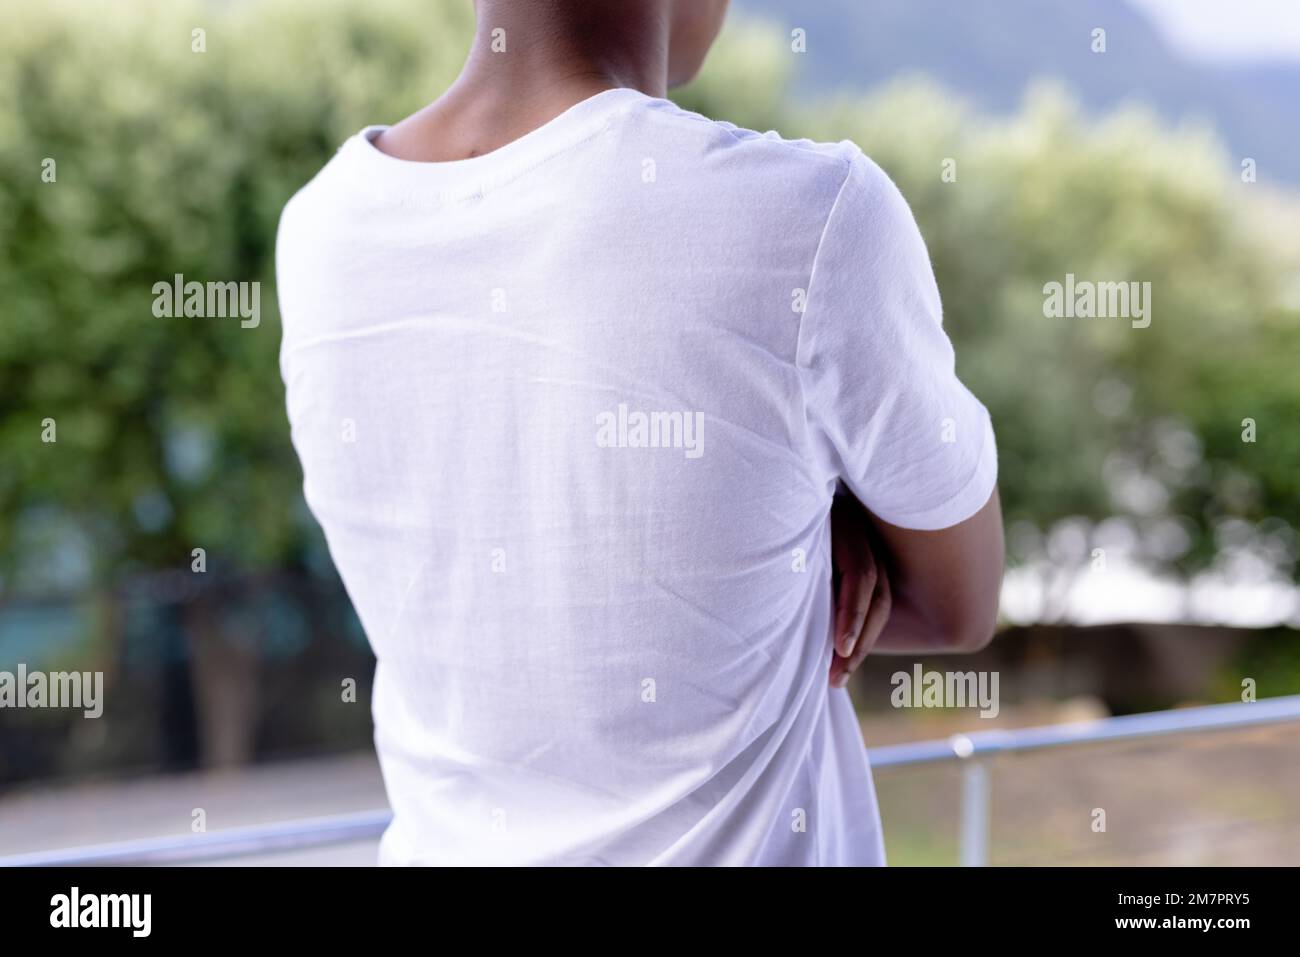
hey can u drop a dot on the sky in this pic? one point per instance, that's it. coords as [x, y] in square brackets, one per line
[1231, 30]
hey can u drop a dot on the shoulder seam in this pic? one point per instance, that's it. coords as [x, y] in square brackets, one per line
[821, 240]
[806, 422]
[780, 141]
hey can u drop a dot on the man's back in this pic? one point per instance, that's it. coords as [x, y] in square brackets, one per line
[571, 415]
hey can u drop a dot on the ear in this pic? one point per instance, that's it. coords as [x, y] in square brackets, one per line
[695, 24]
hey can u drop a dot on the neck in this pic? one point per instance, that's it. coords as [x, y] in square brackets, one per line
[531, 60]
[553, 50]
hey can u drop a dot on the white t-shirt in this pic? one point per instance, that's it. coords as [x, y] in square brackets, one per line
[571, 415]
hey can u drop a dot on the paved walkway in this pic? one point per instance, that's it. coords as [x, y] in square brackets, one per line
[51, 817]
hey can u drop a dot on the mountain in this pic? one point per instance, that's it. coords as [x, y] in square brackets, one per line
[991, 50]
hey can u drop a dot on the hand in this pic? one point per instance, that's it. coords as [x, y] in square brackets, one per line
[862, 600]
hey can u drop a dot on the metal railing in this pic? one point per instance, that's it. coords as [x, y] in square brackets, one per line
[972, 751]
[218, 845]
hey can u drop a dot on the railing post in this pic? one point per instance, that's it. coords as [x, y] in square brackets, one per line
[976, 804]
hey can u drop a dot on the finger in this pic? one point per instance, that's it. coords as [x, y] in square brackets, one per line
[854, 604]
[851, 620]
[839, 671]
[877, 618]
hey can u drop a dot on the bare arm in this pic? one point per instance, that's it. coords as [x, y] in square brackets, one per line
[903, 591]
[944, 584]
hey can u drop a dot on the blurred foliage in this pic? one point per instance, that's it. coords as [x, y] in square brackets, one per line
[1269, 661]
[171, 431]
[1097, 418]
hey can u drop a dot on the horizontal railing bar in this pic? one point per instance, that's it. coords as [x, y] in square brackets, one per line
[231, 842]
[980, 744]
[369, 825]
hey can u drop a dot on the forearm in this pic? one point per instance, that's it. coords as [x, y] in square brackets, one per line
[945, 585]
[911, 630]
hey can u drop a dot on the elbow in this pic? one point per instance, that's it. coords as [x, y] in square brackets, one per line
[975, 638]
[975, 622]
[971, 633]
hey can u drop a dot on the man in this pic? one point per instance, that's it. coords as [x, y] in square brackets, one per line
[574, 376]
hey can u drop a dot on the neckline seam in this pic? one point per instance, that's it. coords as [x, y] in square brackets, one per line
[569, 129]
[466, 189]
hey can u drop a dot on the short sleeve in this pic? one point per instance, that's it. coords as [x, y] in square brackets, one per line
[905, 435]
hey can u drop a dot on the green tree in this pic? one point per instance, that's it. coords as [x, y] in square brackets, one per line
[168, 161]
